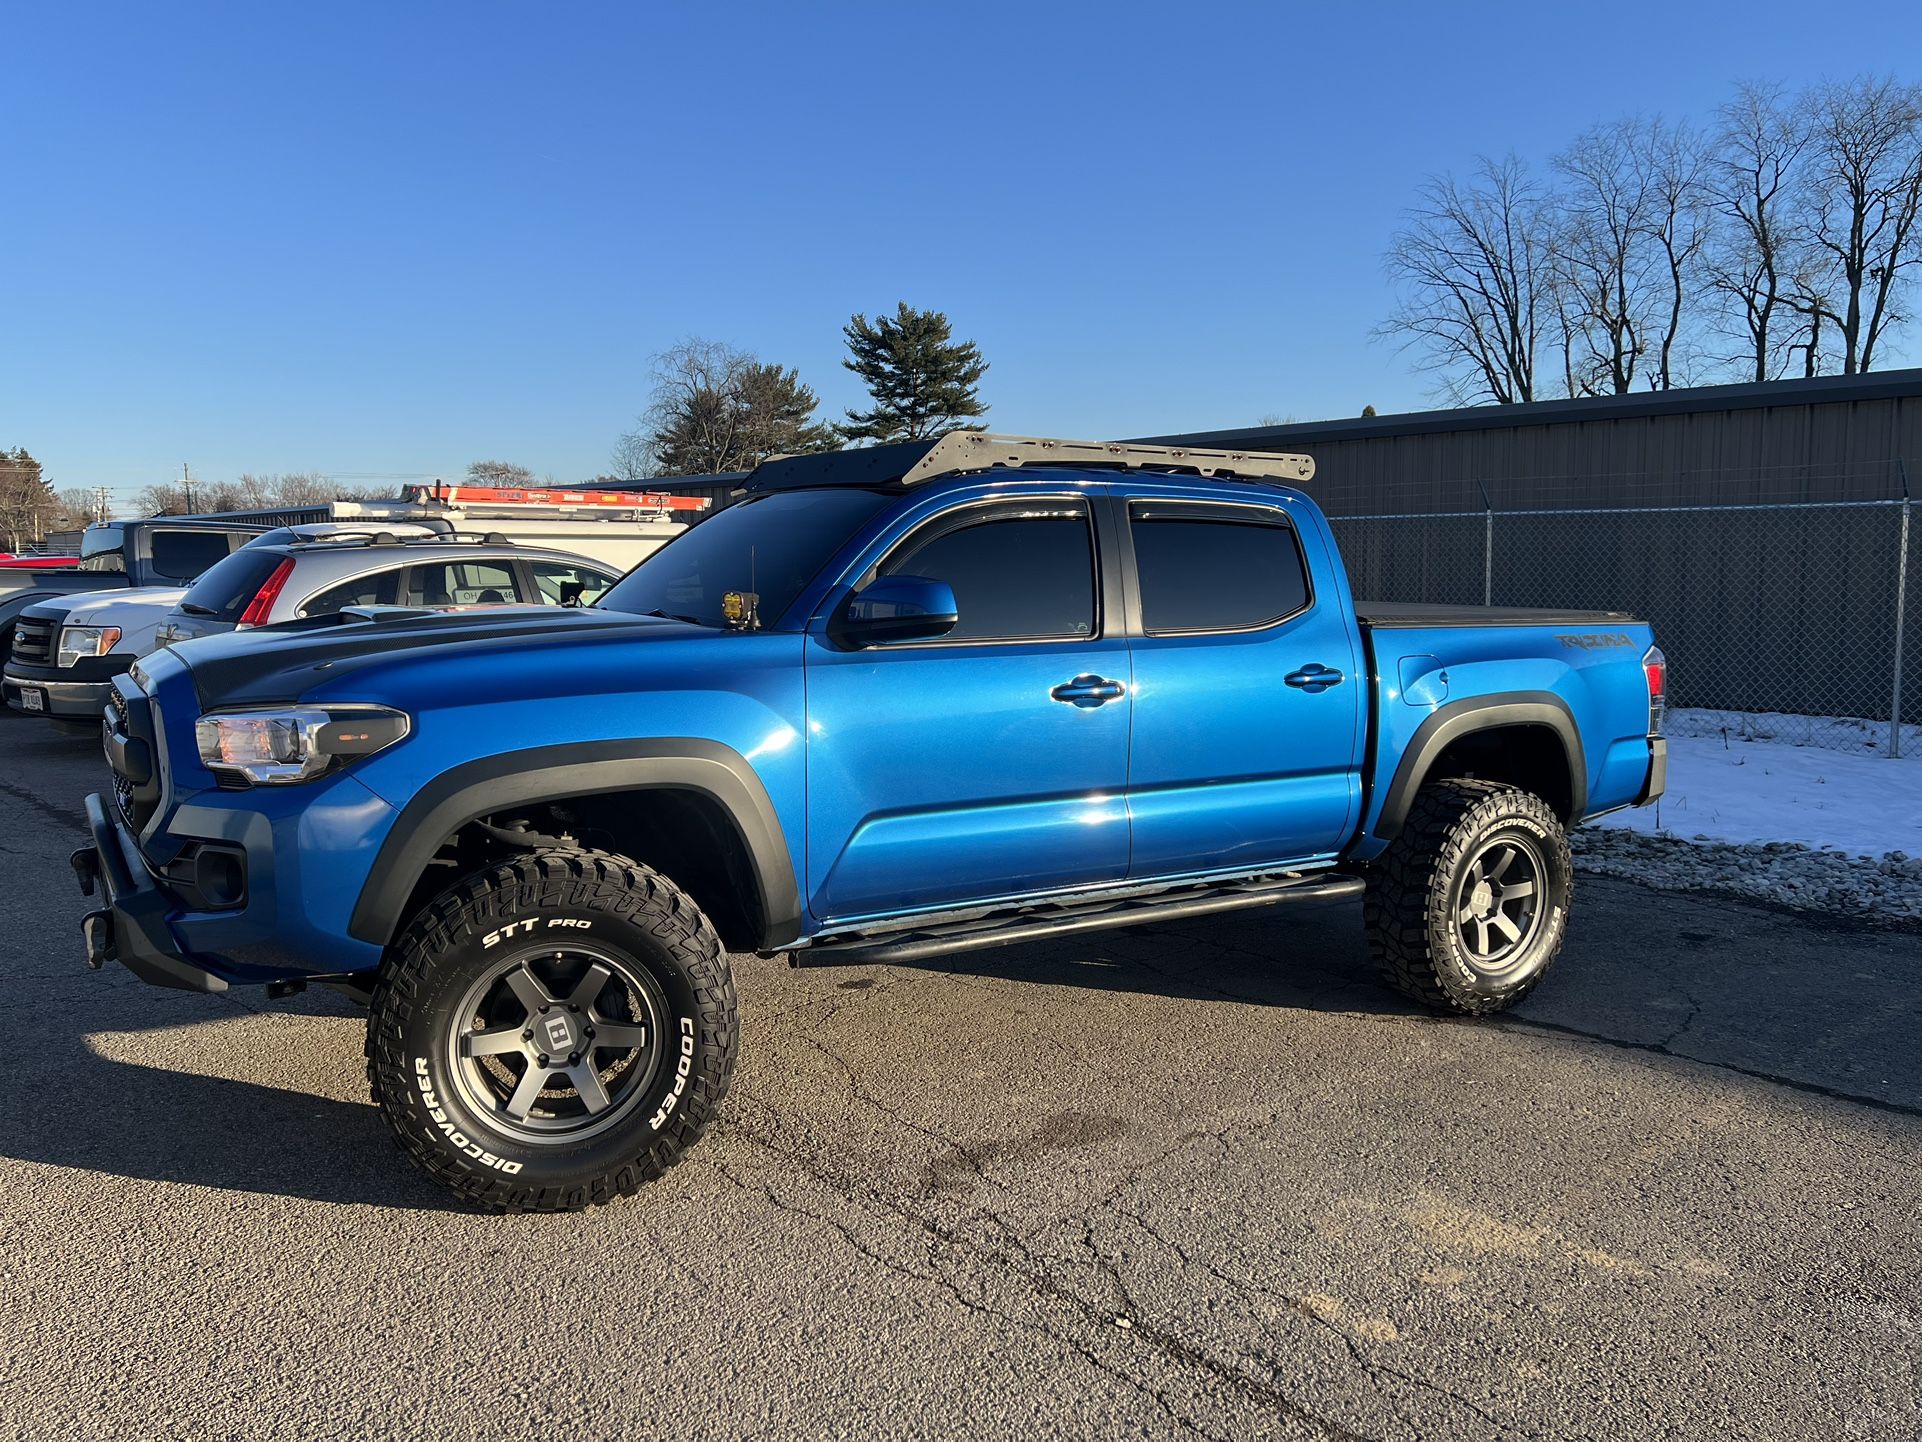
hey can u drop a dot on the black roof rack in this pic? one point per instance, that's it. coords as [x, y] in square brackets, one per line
[912, 463]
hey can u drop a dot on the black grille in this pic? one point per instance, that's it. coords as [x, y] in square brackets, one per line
[137, 797]
[123, 798]
[34, 641]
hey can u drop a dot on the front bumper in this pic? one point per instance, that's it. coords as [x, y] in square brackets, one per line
[132, 927]
[65, 700]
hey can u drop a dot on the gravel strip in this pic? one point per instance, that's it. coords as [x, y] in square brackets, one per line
[1882, 891]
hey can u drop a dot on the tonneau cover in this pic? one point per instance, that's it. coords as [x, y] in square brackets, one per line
[1415, 613]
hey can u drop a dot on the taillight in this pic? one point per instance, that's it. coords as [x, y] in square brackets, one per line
[1655, 668]
[264, 598]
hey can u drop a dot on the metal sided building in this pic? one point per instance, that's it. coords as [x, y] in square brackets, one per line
[1830, 438]
[1763, 528]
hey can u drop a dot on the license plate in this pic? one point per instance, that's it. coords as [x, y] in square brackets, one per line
[32, 698]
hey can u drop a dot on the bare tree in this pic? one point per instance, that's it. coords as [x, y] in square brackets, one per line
[1634, 221]
[1602, 267]
[1756, 254]
[303, 488]
[1675, 164]
[689, 412]
[163, 499]
[716, 408]
[1472, 264]
[1865, 183]
[27, 504]
[634, 458]
[250, 491]
[499, 473]
[79, 505]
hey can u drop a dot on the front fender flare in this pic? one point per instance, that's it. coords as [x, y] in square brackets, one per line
[555, 773]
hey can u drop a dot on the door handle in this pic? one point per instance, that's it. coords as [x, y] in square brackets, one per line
[1313, 678]
[1088, 691]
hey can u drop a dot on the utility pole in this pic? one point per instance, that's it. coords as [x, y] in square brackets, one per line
[100, 503]
[187, 485]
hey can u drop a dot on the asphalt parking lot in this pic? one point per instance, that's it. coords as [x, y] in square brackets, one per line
[1196, 1180]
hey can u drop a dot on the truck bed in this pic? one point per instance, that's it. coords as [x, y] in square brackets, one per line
[1403, 614]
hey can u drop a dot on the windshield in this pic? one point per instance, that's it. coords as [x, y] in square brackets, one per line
[770, 545]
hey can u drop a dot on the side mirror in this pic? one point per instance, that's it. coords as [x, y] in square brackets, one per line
[895, 608]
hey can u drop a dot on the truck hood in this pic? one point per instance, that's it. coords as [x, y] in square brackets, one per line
[141, 605]
[336, 654]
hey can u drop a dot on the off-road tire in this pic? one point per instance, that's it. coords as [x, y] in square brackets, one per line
[624, 911]
[1415, 896]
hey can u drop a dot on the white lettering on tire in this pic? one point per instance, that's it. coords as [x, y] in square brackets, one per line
[521, 928]
[682, 1069]
[455, 1137]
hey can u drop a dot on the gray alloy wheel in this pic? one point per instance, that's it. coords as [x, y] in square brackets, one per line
[556, 1046]
[1497, 903]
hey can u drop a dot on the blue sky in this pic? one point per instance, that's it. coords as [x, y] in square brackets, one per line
[393, 239]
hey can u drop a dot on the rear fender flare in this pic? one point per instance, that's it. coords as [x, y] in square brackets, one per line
[1464, 718]
[554, 773]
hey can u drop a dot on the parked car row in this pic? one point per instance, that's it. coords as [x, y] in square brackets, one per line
[66, 633]
[66, 652]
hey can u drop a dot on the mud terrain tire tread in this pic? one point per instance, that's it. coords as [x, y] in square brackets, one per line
[1407, 906]
[576, 878]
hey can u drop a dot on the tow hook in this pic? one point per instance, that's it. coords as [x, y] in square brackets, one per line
[97, 928]
[86, 867]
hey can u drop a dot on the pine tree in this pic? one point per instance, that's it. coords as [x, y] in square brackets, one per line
[922, 380]
[778, 415]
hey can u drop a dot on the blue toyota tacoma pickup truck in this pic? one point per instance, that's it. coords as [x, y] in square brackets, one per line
[898, 702]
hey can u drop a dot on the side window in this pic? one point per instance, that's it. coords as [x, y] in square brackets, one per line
[183, 555]
[378, 589]
[462, 583]
[1214, 568]
[1020, 573]
[550, 576]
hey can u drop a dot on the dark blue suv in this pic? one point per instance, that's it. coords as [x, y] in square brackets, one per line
[897, 702]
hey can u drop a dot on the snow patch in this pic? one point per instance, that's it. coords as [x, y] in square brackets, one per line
[1728, 785]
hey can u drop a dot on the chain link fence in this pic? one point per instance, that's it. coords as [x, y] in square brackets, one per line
[1798, 620]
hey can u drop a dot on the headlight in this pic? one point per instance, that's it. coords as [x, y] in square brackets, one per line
[294, 743]
[77, 642]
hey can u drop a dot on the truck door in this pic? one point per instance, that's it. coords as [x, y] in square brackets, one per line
[988, 762]
[1248, 721]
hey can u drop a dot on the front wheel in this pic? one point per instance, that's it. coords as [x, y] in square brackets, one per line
[554, 1032]
[1469, 906]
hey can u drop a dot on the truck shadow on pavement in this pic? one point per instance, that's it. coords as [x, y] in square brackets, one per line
[118, 1091]
[1820, 1005]
[126, 1081]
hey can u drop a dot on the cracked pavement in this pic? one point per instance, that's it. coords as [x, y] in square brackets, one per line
[1198, 1180]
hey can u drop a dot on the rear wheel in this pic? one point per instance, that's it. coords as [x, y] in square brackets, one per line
[554, 1032]
[1469, 907]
